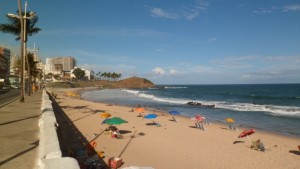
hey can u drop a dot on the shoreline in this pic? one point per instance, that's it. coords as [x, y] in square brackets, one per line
[177, 145]
[80, 91]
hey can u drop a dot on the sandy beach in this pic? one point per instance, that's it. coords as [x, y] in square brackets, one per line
[176, 145]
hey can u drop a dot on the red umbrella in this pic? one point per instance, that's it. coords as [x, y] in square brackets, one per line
[247, 133]
[199, 118]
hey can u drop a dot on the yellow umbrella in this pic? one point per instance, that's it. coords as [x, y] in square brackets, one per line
[229, 120]
[105, 115]
[71, 94]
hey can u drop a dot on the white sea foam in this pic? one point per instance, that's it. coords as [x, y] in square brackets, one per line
[146, 95]
[131, 91]
[154, 98]
[168, 100]
[271, 109]
[172, 87]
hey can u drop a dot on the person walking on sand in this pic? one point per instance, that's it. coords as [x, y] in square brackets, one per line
[199, 125]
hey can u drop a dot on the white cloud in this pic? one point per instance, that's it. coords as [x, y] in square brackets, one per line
[274, 74]
[105, 32]
[203, 70]
[262, 11]
[294, 8]
[173, 71]
[157, 12]
[235, 62]
[188, 13]
[212, 39]
[158, 71]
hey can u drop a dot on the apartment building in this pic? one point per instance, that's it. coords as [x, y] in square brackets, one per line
[4, 62]
[59, 65]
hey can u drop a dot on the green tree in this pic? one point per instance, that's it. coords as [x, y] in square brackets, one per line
[104, 74]
[79, 74]
[32, 67]
[13, 26]
[115, 76]
[98, 75]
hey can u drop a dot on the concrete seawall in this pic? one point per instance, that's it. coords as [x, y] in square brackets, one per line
[49, 153]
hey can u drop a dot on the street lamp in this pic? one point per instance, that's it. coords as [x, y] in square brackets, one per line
[23, 43]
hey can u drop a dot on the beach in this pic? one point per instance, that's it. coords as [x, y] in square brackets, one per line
[176, 145]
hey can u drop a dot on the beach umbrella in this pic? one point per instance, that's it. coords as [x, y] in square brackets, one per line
[104, 121]
[246, 133]
[150, 116]
[174, 112]
[140, 110]
[105, 115]
[115, 121]
[199, 118]
[229, 120]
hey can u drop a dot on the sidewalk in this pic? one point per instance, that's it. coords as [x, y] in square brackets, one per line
[19, 132]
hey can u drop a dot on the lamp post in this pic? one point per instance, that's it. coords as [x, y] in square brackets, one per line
[23, 43]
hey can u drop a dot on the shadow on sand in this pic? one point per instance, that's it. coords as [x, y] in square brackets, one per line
[295, 152]
[72, 142]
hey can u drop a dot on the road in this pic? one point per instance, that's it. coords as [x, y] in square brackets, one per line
[8, 96]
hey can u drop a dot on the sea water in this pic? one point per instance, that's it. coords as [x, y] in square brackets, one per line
[270, 107]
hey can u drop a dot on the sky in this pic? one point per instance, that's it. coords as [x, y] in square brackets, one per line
[171, 41]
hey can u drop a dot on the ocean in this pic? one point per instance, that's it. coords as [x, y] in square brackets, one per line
[268, 107]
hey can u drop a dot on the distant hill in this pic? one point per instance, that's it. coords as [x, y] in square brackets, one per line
[132, 82]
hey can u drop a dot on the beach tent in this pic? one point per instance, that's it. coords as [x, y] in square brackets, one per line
[105, 115]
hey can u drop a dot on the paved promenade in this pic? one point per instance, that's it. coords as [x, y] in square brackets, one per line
[19, 132]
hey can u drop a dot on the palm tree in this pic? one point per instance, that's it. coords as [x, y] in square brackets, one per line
[15, 27]
[32, 67]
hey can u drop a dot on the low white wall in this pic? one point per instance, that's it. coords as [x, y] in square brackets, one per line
[49, 153]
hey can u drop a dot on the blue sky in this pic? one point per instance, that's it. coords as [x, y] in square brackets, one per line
[172, 41]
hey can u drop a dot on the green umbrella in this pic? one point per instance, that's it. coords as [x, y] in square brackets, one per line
[115, 121]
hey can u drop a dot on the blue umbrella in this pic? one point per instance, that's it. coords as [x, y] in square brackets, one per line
[150, 116]
[174, 112]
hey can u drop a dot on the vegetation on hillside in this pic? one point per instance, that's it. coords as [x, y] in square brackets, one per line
[133, 82]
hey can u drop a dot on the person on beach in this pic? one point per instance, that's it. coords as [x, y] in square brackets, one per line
[258, 145]
[199, 125]
[232, 126]
[116, 134]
